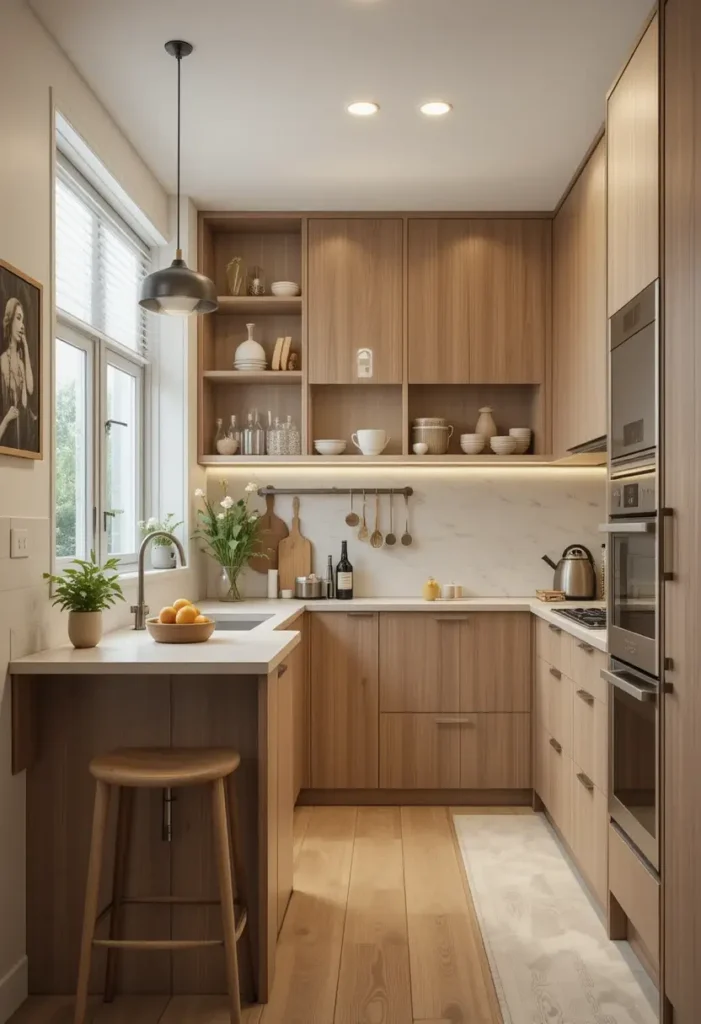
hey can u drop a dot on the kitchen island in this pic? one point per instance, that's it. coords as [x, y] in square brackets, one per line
[68, 705]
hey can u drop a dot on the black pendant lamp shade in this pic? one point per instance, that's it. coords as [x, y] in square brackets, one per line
[177, 290]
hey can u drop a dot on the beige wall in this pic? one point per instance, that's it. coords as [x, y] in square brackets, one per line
[31, 69]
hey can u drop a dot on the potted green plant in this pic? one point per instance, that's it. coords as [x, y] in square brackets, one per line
[162, 551]
[85, 591]
[229, 536]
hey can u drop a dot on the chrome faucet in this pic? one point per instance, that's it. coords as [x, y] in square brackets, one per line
[141, 610]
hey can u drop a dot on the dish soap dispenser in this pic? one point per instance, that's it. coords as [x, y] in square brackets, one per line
[431, 589]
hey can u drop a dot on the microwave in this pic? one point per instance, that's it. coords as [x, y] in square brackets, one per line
[634, 358]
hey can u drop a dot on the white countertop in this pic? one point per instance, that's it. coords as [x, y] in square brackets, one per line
[262, 649]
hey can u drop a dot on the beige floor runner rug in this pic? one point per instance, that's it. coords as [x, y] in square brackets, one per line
[550, 957]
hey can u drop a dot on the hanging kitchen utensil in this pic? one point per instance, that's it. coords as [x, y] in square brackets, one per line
[391, 538]
[363, 531]
[376, 539]
[352, 519]
[294, 553]
[406, 536]
[271, 530]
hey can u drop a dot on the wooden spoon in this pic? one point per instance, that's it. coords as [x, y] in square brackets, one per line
[377, 538]
[352, 519]
[406, 536]
[363, 531]
[391, 538]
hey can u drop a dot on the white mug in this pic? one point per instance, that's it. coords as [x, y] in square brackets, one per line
[370, 442]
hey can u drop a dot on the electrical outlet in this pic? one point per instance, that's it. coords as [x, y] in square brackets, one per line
[19, 543]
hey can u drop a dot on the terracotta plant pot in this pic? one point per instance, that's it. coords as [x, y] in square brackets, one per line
[85, 628]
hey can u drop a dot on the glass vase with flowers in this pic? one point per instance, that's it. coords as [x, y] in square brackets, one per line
[228, 530]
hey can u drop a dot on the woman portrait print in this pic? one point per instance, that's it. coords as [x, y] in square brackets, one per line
[20, 309]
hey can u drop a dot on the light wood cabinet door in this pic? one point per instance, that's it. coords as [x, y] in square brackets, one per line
[590, 736]
[419, 752]
[633, 131]
[495, 663]
[541, 782]
[299, 666]
[553, 695]
[495, 751]
[420, 657]
[560, 780]
[439, 265]
[508, 296]
[579, 309]
[589, 835]
[477, 300]
[344, 700]
[285, 781]
[355, 299]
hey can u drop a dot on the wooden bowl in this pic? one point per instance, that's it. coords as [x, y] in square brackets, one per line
[196, 633]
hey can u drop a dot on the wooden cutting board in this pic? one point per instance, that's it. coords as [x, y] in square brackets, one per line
[271, 530]
[294, 553]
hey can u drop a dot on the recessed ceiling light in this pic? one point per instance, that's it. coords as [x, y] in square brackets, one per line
[436, 108]
[363, 109]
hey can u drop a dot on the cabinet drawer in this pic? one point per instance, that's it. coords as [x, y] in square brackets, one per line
[419, 751]
[542, 764]
[589, 832]
[590, 737]
[560, 783]
[495, 751]
[420, 657]
[554, 645]
[637, 890]
[586, 665]
[554, 702]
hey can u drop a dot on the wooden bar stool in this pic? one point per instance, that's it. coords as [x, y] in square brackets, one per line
[143, 768]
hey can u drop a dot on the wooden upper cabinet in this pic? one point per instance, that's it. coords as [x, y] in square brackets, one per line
[508, 297]
[344, 700]
[438, 253]
[495, 663]
[419, 662]
[579, 309]
[477, 300]
[355, 299]
[633, 131]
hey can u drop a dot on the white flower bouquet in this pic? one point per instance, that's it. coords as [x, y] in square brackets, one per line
[228, 536]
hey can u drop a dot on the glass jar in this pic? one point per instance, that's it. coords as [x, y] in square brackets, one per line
[293, 440]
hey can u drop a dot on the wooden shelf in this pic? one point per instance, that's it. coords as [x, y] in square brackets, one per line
[245, 377]
[383, 460]
[256, 305]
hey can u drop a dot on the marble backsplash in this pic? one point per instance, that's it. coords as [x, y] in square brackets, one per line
[484, 528]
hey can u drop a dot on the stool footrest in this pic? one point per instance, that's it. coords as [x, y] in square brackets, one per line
[154, 944]
[172, 900]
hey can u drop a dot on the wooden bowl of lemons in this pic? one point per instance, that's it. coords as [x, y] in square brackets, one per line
[180, 623]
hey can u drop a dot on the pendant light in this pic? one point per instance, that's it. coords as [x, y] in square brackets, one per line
[178, 291]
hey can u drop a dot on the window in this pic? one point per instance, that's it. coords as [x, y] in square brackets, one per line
[101, 359]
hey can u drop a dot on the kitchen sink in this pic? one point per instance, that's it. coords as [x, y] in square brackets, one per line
[241, 623]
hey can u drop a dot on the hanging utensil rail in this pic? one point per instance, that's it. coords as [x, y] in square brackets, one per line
[342, 491]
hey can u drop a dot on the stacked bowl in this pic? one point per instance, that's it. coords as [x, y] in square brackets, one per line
[472, 444]
[522, 436]
[503, 444]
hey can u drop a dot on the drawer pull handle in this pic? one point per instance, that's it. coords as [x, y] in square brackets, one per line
[586, 781]
[453, 720]
[553, 628]
[556, 673]
[451, 618]
[586, 697]
[360, 615]
[587, 648]
[281, 670]
[557, 747]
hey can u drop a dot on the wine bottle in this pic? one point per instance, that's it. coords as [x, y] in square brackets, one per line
[344, 575]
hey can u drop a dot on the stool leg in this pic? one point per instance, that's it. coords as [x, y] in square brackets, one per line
[240, 880]
[121, 858]
[92, 893]
[226, 894]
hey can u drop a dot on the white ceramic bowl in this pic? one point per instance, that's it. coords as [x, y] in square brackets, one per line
[473, 447]
[330, 446]
[420, 448]
[227, 446]
[285, 289]
[503, 445]
[523, 439]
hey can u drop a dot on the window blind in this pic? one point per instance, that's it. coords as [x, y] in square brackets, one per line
[100, 262]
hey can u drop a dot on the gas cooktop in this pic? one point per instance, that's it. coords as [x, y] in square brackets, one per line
[592, 618]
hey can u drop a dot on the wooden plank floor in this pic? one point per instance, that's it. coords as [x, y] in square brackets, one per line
[380, 930]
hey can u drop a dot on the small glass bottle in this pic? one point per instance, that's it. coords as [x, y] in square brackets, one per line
[257, 436]
[248, 435]
[234, 433]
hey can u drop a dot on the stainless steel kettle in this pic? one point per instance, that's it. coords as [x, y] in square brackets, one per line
[575, 573]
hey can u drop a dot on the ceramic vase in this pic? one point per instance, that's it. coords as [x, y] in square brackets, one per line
[85, 628]
[163, 556]
[485, 424]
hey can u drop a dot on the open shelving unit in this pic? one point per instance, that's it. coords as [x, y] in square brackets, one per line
[278, 243]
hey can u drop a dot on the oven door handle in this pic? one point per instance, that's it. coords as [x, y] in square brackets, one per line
[645, 692]
[634, 527]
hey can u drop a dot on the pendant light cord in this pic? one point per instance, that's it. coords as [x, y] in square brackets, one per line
[177, 210]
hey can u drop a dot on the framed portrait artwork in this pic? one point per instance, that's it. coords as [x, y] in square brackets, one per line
[20, 364]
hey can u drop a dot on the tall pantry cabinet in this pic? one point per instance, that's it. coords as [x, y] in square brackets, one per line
[682, 494]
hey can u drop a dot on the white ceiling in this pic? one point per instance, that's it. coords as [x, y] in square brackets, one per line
[264, 95]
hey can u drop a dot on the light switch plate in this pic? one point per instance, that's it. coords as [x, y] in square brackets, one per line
[19, 543]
